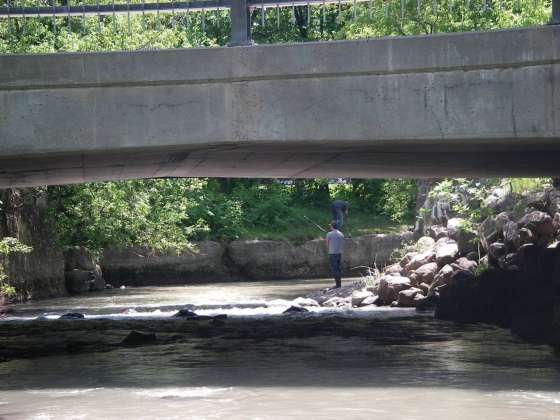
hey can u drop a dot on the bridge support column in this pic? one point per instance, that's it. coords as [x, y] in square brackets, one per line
[555, 12]
[240, 19]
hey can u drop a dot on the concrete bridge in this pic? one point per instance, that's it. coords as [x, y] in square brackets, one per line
[466, 104]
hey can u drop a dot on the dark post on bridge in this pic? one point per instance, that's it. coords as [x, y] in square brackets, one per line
[555, 12]
[240, 28]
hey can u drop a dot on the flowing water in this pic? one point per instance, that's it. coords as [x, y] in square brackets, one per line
[259, 364]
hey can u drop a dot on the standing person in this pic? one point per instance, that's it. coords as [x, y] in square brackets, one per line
[339, 209]
[335, 241]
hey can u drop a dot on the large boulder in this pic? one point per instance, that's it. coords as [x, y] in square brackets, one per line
[370, 300]
[454, 226]
[344, 293]
[509, 262]
[444, 276]
[390, 286]
[488, 232]
[424, 274]
[425, 243]
[336, 302]
[464, 264]
[449, 272]
[537, 200]
[539, 222]
[447, 251]
[419, 260]
[500, 199]
[295, 310]
[556, 222]
[457, 228]
[79, 258]
[82, 273]
[80, 281]
[511, 235]
[526, 236]
[77, 281]
[496, 250]
[491, 229]
[393, 269]
[406, 258]
[437, 232]
[406, 297]
[553, 205]
[359, 295]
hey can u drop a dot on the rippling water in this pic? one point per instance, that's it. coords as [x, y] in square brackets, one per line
[258, 364]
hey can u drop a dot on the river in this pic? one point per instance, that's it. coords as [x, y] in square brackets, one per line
[383, 363]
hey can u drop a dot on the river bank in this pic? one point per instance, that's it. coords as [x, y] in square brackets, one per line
[48, 271]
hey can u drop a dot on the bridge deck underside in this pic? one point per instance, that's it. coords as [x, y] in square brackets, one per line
[428, 160]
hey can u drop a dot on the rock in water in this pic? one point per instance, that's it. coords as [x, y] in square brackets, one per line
[72, 315]
[193, 316]
[343, 292]
[136, 338]
[185, 313]
[295, 309]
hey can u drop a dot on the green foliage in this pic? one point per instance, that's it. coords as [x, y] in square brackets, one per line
[526, 185]
[167, 214]
[142, 212]
[465, 196]
[108, 34]
[8, 246]
[399, 199]
[211, 28]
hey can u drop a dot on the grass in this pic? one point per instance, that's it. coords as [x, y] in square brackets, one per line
[301, 229]
[525, 185]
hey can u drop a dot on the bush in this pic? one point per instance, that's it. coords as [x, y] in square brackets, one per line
[399, 199]
[8, 246]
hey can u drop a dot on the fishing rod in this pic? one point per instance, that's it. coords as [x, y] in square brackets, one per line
[311, 221]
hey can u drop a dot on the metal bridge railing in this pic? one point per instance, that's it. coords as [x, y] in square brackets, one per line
[240, 10]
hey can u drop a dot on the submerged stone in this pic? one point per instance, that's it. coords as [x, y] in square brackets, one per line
[72, 315]
[136, 338]
[295, 309]
[185, 313]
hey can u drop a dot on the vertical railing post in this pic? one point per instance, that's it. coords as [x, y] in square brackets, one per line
[240, 19]
[555, 12]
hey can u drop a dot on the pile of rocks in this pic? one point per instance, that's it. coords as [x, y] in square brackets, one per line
[430, 264]
[508, 241]
[454, 253]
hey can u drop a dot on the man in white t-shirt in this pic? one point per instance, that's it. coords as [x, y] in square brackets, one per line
[335, 241]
